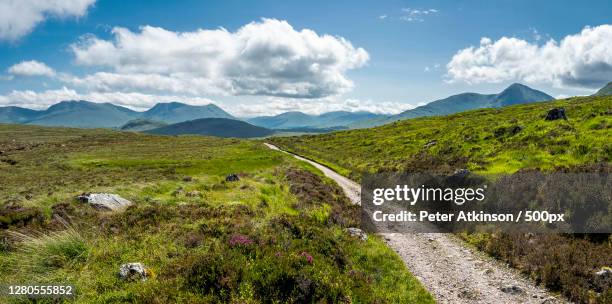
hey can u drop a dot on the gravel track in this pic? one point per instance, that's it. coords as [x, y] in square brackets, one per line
[451, 271]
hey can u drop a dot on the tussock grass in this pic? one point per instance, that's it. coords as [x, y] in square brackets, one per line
[39, 253]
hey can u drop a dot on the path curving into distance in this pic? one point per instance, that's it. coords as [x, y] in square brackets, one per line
[446, 266]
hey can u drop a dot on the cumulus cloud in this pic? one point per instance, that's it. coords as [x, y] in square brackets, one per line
[268, 58]
[274, 106]
[582, 60]
[31, 68]
[137, 101]
[19, 17]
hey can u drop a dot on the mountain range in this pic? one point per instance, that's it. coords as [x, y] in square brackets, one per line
[86, 114]
[292, 120]
[165, 116]
[514, 94]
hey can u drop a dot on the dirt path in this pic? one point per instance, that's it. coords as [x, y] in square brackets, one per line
[450, 270]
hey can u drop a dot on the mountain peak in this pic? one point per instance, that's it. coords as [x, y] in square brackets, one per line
[606, 90]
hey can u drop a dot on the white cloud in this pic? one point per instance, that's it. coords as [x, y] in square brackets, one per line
[136, 101]
[416, 15]
[268, 58]
[31, 68]
[274, 106]
[141, 101]
[381, 17]
[582, 60]
[19, 17]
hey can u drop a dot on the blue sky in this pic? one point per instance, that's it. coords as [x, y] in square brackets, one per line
[383, 56]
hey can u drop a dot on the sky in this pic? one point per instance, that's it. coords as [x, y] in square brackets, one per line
[267, 57]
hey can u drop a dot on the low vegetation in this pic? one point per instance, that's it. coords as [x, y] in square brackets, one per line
[493, 142]
[274, 236]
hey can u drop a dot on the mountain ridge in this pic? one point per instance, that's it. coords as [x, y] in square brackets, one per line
[87, 114]
[516, 93]
[220, 127]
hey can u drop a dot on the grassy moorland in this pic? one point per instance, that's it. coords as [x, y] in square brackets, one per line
[485, 141]
[492, 142]
[275, 236]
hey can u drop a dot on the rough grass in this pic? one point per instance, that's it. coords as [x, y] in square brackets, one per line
[484, 141]
[275, 236]
[493, 142]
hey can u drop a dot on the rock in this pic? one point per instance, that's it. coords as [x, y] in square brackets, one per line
[106, 201]
[193, 193]
[515, 130]
[604, 272]
[461, 173]
[356, 232]
[555, 114]
[178, 192]
[232, 178]
[133, 271]
[430, 239]
[430, 143]
[511, 289]
[487, 271]
[603, 278]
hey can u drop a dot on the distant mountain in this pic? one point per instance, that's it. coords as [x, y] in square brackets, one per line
[16, 115]
[174, 112]
[606, 90]
[140, 124]
[514, 94]
[292, 120]
[83, 114]
[220, 127]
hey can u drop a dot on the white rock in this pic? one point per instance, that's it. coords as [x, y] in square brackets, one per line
[356, 232]
[107, 201]
[132, 271]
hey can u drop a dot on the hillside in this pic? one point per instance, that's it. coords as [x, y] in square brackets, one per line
[174, 112]
[83, 114]
[486, 140]
[86, 114]
[139, 125]
[514, 94]
[16, 115]
[220, 127]
[277, 234]
[605, 91]
[292, 120]
[494, 142]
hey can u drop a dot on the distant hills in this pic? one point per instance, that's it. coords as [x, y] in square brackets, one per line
[221, 127]
[293, 120]
[606, 90]
[141, 124]
[514, 94]
[166, 117]
[86, 114]
[174, 112]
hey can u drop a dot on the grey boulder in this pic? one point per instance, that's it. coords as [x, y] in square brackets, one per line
[106, 201]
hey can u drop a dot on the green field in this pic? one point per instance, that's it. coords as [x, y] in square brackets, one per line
[486, 141]
[493, 142]
[275, 236]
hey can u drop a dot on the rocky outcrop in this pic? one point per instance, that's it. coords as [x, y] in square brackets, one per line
[555, 114]
[104, 201]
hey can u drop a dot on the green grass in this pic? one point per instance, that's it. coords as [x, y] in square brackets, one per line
[479, 140]
[182, 223]
[494, 142]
